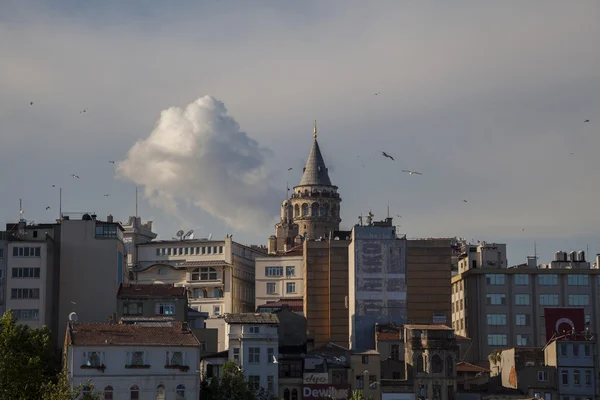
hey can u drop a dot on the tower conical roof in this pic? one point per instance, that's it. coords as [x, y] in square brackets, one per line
[315, 171]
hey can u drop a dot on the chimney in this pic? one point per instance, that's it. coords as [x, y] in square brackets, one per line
[272, 245]
[109, 218]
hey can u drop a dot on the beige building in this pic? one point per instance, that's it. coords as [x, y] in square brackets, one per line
[151, 301]
[279, 277]
[134, 233]
[499, 307]
[218, 274]
[365, 368]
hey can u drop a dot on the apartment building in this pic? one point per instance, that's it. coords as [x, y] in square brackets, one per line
[135, 232]
[499, 307]
[217, 274]
[136, 301]
[377, 281]
[3, 254]
[279, 277]
[573, 358]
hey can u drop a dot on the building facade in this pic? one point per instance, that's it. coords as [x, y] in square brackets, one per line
[217, 274]
[377, 281]
[135, 301]
[574, 359]
[501, 307]
[134, 233]
[279, 277]
[133, 361]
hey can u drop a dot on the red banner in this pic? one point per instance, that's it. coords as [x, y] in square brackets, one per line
[330, 391]
[561, 321]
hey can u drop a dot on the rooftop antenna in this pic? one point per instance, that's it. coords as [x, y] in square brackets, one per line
[287, 193]
[388, 209]
[20, 209]
[60, 203]
[136, 202]
[535, 250]
[315, 130]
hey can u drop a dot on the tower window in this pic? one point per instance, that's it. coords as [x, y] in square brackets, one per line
[315, 210]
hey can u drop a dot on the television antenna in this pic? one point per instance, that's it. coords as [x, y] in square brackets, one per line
[210, 236]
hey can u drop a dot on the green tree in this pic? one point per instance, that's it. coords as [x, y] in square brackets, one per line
[28, 360]
[231, 386]
[62, 390]
[358, 395]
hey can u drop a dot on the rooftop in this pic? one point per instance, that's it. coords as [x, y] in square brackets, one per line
[429, 327]
[315, 171]
[295, 305]
[150, 290]
[195, 264]
[252, 318]
[102, 334]
[467, 367]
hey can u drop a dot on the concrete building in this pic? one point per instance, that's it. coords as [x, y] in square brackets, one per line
[500, 308]
[377, 281]
[3, 270]
[144, 362]
[279, 277]
[574, 359]
[91, 268]
[135, 233]
[429, 270]
[365, 366]
[218, 274]
[151, 301]
[253, 345]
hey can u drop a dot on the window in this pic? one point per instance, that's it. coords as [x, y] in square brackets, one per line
[521, 279]
[205, 274]
[135, 357]
[395, 352]
[588, 377]
[522, 319]
[270, 383]
[496, 319]
[133, 308]
[270, 355]
[174, 358]
[216, 311]
[523, 340]
[25, 293]
[236, 355]
[254, 329]
[158, 252]
[26, 251]
[564, 377]
[108, 393]
[93, 358]
[495, 299]
[162, 271]
[199, 293]
[360, 381]
[27, 314]
[165, 309]
[365, 359]
[587, 350]
[273, 271]
[220, 249]
[108, 231]
[254, 382]
[180, 392]
[575, 350]
[270, 287]
[25, 272]
[579, 300]
[577, 377]
[1, 253]
[290, 271]
[578, 280]
[542, 376]
[548, 299]
[290, 287]
[160, 392]
[497, 340]
[494, 279]
[294, 394]
[563, 349]
[134, 393]
[548, 280]
[522, 299]
[254, 355]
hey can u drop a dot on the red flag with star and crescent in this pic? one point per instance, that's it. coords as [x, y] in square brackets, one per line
[563, 320]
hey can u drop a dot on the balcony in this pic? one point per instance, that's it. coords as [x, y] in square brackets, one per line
[253, 336]
[205, 284]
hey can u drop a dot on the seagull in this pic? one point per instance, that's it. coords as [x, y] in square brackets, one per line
[571, 153]
[376, 94]
[106, 195]
[398, 215]
[84, 110]
[53, 185]
[111, 161]
[465, 201]
[75, 176]
[383, 153]
[587, 120]
[32, 104]
[289, 169]
[412, 172]
[47, 208]
[522, 229]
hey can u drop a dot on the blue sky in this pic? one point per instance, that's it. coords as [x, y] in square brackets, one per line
[487, 99]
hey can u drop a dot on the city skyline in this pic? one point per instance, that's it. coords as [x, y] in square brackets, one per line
[465, 95]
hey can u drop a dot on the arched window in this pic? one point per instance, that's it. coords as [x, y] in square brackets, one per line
[160, 392]
[437, 365]
[199, 293]
[296, 210]
[205, 274]
[449, 366]
[180, 392]
[108, 393]
[324, 210]
[286, 394]
[315, 209]
[217, 293]
[134, 393]
[295, 394]
[304, 210]
[419, 363]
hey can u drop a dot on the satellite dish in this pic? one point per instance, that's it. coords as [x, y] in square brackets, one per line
[210, 236]
[342, 359]
[179, 234]
[73, 317]
[187, 235]
[191, 235]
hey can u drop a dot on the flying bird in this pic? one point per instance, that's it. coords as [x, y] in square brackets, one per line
[53, 185]
[398, 215]
[75, 176]
[111, 161]
[383, 153]
[522, 229]
[106, 195]
[465, 201]
[82, 111]
[587, 120]
[377, 93]
[47, 208]
[412, 172]
[32, 104]
[289, 169]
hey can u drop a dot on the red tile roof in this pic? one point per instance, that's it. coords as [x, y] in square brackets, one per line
[252, 318]
[467, 367]
[389, 336]
[295, 305]
[150, 290]
[101, 334]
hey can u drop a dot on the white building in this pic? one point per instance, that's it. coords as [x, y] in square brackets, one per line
[254, 345]
[279, 277]
[140, 362]
[218, 274]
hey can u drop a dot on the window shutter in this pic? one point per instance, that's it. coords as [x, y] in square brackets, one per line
[84, 358]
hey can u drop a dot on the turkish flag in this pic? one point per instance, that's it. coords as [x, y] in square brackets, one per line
[561, 321]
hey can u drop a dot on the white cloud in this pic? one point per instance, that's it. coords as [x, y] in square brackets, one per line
[198, 155]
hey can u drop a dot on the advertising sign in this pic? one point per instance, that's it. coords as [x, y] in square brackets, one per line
[333, 391]
[560, 321]
[316, 379]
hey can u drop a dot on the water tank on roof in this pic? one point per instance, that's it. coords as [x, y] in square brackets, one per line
[86, 217]
[572, 256]
[581, 255]
[565, 255]
[557, 255]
